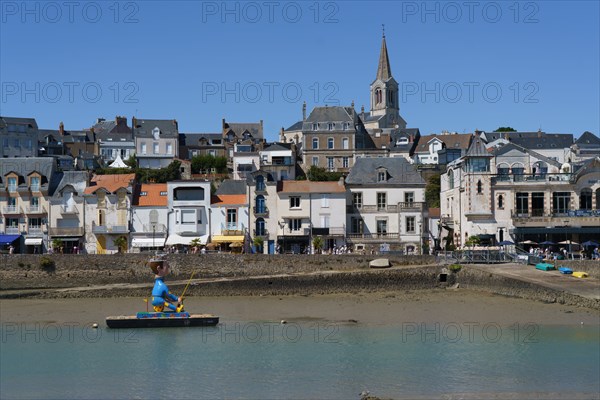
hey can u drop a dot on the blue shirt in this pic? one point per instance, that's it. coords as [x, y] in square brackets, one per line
[160, 293]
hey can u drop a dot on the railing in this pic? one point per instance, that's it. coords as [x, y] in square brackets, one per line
[119, 229]
[373, 236]
[109, 228]
[99, 228]
[411, 205]
[68, 210]
[12, 230]
[390, 208]
[232, 229]
[556, 213]
[156, 228]
[11, 210]
[35, 231]
[331, 231]
[298, 232]
[502, 178]
[260, 211]
[35, 210]
[78, 231]
[12, 188]
[261, 233]
[35, 188]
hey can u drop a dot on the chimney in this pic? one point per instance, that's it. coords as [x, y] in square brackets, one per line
[133, 123]
[411, 138]
[539, 133]
[304, 111]
[61, 128]
[362, 113]
[176, 124]
[98, 120]
[281, 135]
[341, 181]
[352, 104]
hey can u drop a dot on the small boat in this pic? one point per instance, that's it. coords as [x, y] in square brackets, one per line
[161, 320]
[544, 267]
[565, 270]
[580, 274]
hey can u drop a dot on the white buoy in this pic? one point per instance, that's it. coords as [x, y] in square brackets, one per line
[95, 326]
[283, 322]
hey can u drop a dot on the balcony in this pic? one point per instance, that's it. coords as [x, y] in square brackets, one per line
[35, 231]
[298, 232]
[36, 210]
[156, 228]
[188, 229]
[12, 230]
[390, 208]
[261, 233]
[331, 231]
[372, 236]
[109, 229]
[556, 218]
[78, 231]
[68, 210]
[411, 206]
[530, 178]
[282, 161]
[260, 211]
[11, 210]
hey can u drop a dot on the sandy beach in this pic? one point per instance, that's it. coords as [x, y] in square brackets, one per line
[385, 308]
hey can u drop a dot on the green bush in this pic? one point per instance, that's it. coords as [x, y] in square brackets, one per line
[47, 264]
[455, 267]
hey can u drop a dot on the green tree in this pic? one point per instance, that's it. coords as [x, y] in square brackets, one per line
[318, 174]
[473, 241]
[432, 191]
[121, 243]
[505, 129]
[317, 243]
[56, 245]
[258, 242]
[131, 162]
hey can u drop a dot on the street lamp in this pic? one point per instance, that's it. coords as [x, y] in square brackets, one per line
[153, 235]
[567, 238]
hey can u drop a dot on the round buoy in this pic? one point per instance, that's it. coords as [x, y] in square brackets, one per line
[283, 322]
[94, 326]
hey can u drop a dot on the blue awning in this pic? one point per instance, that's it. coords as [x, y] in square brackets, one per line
[8, 239]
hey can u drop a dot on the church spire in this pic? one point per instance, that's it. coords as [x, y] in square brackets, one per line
[384, 72]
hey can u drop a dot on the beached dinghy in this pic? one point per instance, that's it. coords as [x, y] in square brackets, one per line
[161, 320]
[544, 267]
[565, 270]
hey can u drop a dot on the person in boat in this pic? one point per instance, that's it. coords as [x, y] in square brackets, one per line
[161, 297]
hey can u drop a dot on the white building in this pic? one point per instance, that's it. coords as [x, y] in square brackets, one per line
[66, 211]
[229, 214]
[189, 204]
[149, 217]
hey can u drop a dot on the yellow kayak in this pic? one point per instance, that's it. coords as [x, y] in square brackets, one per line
[580, 274]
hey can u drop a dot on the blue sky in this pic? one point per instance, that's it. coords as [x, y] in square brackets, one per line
[461, 66]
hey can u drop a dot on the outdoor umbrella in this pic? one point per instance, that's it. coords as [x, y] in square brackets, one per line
[590, 243]
[529, 242]
[567, 242]
[505, 243]
[547, 243]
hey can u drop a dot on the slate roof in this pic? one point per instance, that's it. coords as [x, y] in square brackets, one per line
[477, 148]
[329, 114]
[384, 71]
[310, 187]
[238, 128]
[144, 127]
[23, 166]
[400, 172]
[534, 140]
[231, 187]
[295, 127]
[504, 149]
[277, 146]
[192, 139]
[76, 179]
[588, 139]
[31, 122]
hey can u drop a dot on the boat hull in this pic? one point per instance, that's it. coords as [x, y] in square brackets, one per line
[161, 320]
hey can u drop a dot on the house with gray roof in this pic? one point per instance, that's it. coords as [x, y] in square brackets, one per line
[115, 139]
[156, 142]
[18, 137]
[587, 146]
[386, 208]
[201, 144]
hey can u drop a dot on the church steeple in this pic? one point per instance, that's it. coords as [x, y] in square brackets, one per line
[384, 72]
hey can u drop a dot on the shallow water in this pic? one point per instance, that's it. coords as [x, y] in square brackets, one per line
[299, 360]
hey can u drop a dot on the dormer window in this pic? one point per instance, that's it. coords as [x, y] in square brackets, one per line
[34, 183]
[330, 126]
[382, 176]
[156, 133]
[315, 127]
[12, 184]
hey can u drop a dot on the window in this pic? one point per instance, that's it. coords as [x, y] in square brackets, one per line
[155, 148]
[188, 217]
[381, 226]
[522, 207]
[295, 202]
[479, 187]
[17, 143]
[260, 183]
[35, 183]
[381, 176]
[537, 204]
[5, 142]
[143, 148]
[561, 202]
[330, 163]
[324, 200]
[346, 126]
[330, 143]
[315, 161]
[315, 143]
[315, 127]
[409, 197]
[261, 206]
[501, 202]
[478, 165]
[169, 148]
[325, 219]
[35, 202]
[34, 222]
[356, 225]
[585, 199]
[381, 201]
[101, 199]
[378, 96]
[345, 143]
[357, 199]
[451, 179]
[330, 126]
[12, 184]
[28, 144]
[260, 227]
[12, 203]
[345, 162]
[231, 218]
[295, 224]
[410, 225]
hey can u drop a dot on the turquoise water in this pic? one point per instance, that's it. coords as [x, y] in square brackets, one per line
[298, 360]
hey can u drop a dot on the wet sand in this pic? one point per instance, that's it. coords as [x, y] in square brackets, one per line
[444, 306]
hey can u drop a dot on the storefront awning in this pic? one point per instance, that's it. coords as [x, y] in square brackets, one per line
[8, 239]
[33, 241]
[227, 239]
[148, 242]
[186, 240]
[564, 230]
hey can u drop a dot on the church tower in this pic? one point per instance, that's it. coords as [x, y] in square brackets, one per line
[385, 108]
